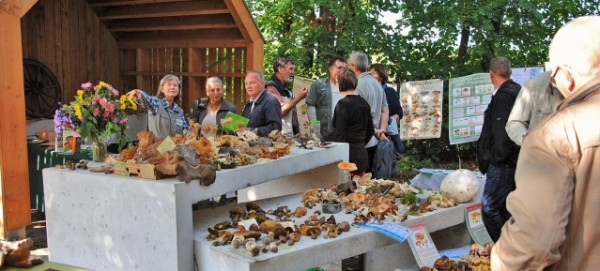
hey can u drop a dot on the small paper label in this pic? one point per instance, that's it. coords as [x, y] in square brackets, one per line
[422, 246]
[393, 230]
[166, 145]
[475, 224]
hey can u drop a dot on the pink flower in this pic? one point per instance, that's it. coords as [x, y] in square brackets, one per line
[103, 101]
[95, 99]
[106, 114]
[115, 92]
[86, 85]
[96, 112]
[123, 121]
[109, 106]
[113, 118]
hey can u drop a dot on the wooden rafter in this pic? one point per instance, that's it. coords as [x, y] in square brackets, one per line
[112, 3]
[162, 10]
[197, 22]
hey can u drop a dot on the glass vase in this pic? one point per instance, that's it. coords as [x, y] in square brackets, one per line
[99, 150]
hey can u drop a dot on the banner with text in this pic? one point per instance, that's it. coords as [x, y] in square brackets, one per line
[422, 108]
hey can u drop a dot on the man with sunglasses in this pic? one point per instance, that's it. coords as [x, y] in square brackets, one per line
[555, 216]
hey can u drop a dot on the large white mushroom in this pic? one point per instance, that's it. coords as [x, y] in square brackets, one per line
[461, 185]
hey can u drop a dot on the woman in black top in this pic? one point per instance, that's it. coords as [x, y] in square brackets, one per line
[352, 121]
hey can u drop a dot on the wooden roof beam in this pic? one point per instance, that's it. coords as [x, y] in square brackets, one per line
[172, 23]
[112, 3]
[16, 8]
[150, 44]
[212, 36]
[162, 10]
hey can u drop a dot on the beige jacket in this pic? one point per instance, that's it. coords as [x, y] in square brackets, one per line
[536, 101]
[555, 208]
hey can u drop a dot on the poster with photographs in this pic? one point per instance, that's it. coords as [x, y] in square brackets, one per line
[301, 107]
[421, 103]
[468, 100]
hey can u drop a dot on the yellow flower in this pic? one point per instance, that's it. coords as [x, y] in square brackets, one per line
[103, 85]
[122, 104]
[131, 102]
[78, 112]
[80, 94]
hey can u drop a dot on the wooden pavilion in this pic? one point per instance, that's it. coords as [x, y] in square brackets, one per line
[127, 43]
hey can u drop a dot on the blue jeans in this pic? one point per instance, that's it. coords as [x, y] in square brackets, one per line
[500, 181]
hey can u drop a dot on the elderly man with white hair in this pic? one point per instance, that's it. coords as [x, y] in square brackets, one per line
[555, 216]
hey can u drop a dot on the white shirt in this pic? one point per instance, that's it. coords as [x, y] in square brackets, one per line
[336, 96]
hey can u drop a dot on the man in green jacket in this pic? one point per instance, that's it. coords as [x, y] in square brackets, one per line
[324, 95]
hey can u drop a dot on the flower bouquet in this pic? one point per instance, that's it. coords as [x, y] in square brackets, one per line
[96, 114]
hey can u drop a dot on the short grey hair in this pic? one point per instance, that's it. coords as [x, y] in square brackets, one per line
[212, 80]
[577, 46]
[501, 66]
[260, 74]
[360, 60]
[282, 61]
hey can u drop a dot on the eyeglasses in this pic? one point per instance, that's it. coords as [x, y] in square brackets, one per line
[565, 68]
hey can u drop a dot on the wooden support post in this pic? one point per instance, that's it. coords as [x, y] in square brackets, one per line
[14, 177]
[195, 89]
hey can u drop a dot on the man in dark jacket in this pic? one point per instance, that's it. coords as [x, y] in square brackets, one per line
[262, 109]
[497, 153]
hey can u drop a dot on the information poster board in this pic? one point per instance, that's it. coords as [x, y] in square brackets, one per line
[469, 98]
[301, 107]
[522, 75]
[422, 109]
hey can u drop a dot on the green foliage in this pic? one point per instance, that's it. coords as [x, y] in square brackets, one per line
[432, 39]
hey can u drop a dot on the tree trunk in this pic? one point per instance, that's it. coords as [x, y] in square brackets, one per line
[465, 34]
[326, 48]
[496, 21]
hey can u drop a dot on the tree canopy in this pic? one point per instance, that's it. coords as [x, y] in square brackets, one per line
[432, 39]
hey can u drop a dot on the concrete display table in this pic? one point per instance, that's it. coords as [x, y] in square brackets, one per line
[381, 252]
[110, 222]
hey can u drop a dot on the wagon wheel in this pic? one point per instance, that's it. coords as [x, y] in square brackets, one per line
[42, 90]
